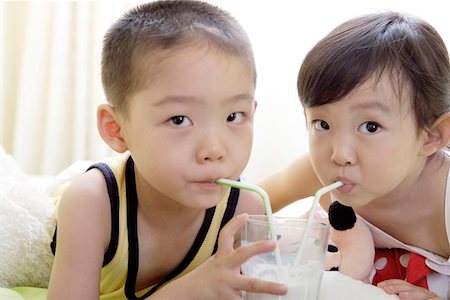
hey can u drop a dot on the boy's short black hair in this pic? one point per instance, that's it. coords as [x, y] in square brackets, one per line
[165, 25]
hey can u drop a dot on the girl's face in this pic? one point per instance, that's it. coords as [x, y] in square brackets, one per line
[368, 140]
[191, 124]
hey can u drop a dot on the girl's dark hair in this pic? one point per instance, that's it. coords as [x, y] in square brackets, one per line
[165, 25]
[409, 48]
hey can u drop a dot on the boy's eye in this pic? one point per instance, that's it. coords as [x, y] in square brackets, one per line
[235, 117]
[181, 121]
[369, 127]
[320, 125]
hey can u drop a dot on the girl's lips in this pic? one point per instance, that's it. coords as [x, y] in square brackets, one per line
[346, 188]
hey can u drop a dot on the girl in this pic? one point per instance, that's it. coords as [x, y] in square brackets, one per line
[376, 96]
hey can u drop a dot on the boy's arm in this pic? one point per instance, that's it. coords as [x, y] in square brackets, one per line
[296, 181]
[84, 226]
[219, 277]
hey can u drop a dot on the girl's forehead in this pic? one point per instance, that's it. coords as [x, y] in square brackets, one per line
[379, 94]
[386, 87]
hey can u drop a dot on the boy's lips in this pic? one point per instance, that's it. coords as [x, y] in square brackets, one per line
[207, 182]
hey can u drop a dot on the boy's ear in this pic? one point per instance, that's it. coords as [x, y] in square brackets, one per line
[109, 127]
[439, 135]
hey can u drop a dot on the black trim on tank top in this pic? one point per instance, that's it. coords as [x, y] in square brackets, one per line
[229, 212]
[113, 193]
[133, 243]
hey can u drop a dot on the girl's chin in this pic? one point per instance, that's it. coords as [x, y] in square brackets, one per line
[351, 201]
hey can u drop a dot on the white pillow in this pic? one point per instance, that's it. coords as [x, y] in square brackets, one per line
[27, 222]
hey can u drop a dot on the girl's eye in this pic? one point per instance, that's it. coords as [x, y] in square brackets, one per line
[369, 127]
[180, 121]
[320, 125]
[236, 117]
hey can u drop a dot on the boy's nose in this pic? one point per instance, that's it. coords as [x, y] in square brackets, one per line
[210, 149]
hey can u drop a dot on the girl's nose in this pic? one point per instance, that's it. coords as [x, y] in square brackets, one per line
[211, 148]
[343, 152]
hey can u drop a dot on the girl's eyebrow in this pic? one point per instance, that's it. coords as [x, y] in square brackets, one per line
[377, 105]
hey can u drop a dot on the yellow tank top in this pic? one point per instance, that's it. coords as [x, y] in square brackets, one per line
[118, 275]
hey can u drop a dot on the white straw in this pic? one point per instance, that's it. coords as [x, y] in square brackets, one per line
[312, 212]
[267, 208]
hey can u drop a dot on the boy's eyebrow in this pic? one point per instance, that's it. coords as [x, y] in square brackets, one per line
[184, 99]
[174, 99]
[246, 97]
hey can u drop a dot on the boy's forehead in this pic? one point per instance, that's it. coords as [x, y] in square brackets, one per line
[155, 63]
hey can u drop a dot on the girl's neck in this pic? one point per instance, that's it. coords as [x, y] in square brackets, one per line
[426, 186]
[416, 216]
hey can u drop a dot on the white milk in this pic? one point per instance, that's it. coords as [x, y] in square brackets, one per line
[303, 276]
[303, 283]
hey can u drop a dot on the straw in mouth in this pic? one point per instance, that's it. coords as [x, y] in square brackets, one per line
[312, 211]
[268, 211]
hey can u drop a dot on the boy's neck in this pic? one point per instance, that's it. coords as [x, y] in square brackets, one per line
[161, 211]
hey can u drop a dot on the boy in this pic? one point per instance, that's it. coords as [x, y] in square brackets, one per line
[179, 77]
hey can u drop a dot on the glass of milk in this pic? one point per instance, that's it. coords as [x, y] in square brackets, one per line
[302, 276]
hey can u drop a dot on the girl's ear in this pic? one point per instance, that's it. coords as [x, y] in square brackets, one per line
[439, 135]
[109, 127]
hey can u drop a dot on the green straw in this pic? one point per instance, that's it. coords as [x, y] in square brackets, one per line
[312, 212]
[267, 208]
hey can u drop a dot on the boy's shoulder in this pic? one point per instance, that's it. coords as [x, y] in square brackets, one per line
[89, 187]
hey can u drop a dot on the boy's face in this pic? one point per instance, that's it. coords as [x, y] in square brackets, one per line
[191, 124]
[368, 140]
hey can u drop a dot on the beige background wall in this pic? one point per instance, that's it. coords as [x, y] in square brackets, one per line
[50, 82]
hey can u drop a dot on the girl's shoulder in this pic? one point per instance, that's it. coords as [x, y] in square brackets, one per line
[250, 203]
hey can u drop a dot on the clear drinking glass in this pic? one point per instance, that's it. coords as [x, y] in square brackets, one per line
[302, 274]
